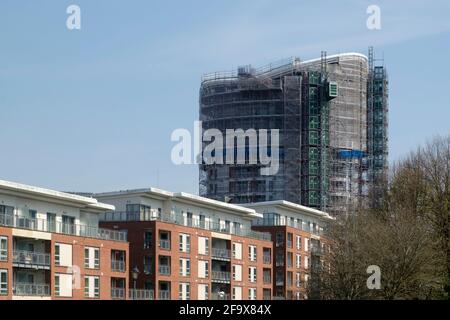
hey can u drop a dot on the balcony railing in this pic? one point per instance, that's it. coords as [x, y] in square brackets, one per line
[283, 222]
[220, 253]
[118, 266]
[220, 276]
[279, 263]
[31, 289]
[139, 294]
[220, 296]
[189, 222]
[31, 258]
[164, 270]
[117, 293]
[316, 250]
[164, 295]
[44, 225]
[267, 259]
[164, 244]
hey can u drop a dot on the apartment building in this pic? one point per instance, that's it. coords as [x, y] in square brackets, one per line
[298, 244]
[183, 246]
[51, 247]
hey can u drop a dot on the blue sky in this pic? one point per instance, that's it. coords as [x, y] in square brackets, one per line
[93, 109]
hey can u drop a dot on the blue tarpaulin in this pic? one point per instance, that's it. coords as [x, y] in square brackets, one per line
[351, 154]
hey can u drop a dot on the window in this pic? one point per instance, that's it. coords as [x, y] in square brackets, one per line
[57, 286]
[237, 250]
[185, 243]
[252, 274]
[290, 258]
[252, 294]
[306, 262]
[203, 292]
[185, 267]
[237, 272]
[148, 265]
[298, 242]
[279, 239]
[57, 255]
[68, 224]
[91, 258]
[297, 279]
[252, 253]
[3, 282]
[298, 261]
[51, 222]
[92, 287]
[184, 291]
[203, 245]
[148, 239]
[3, 248]
[63, 255]
[289, 240]
[236, 293]
[203, 269]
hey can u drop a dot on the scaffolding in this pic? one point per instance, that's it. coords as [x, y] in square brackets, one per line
[328, 113]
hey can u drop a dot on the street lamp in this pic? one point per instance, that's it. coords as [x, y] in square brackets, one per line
[134, 275]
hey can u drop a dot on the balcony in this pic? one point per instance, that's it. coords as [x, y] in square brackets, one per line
[118, 266]
[220, 254]
[316, 250]
[178, 219]
[267, 259]
[164, 270]
[117, 293]
[164, 295]
[138, 294]
[31, 259]
[43, 225]
[31, 290]
[273, 222]
[279, 263]
[220, 296]
[164, 244]
[220, 276]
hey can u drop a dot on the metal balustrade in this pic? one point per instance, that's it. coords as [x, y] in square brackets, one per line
[141, 294]
[220, 253]
[118, 265]
[220, 276]
[220, 296]
[31, 289]
[164, 244]
[44, 225]
[164, 295]
[117, 293]
[31, 257]
[164, 270]
[188, 222]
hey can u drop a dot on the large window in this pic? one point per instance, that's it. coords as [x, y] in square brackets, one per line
[185, 267]
[3, 282]
[57, 254]
[184, 243]
[252, 253]
[91, 287]
[148, 239]
[3, 248]
[91, 258]
[51, 222]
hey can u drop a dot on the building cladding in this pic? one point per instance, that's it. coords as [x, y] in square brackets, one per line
[332, 119]
[52, 248]
[189, 247]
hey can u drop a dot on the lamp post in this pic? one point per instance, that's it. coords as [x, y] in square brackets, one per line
[135, 274]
